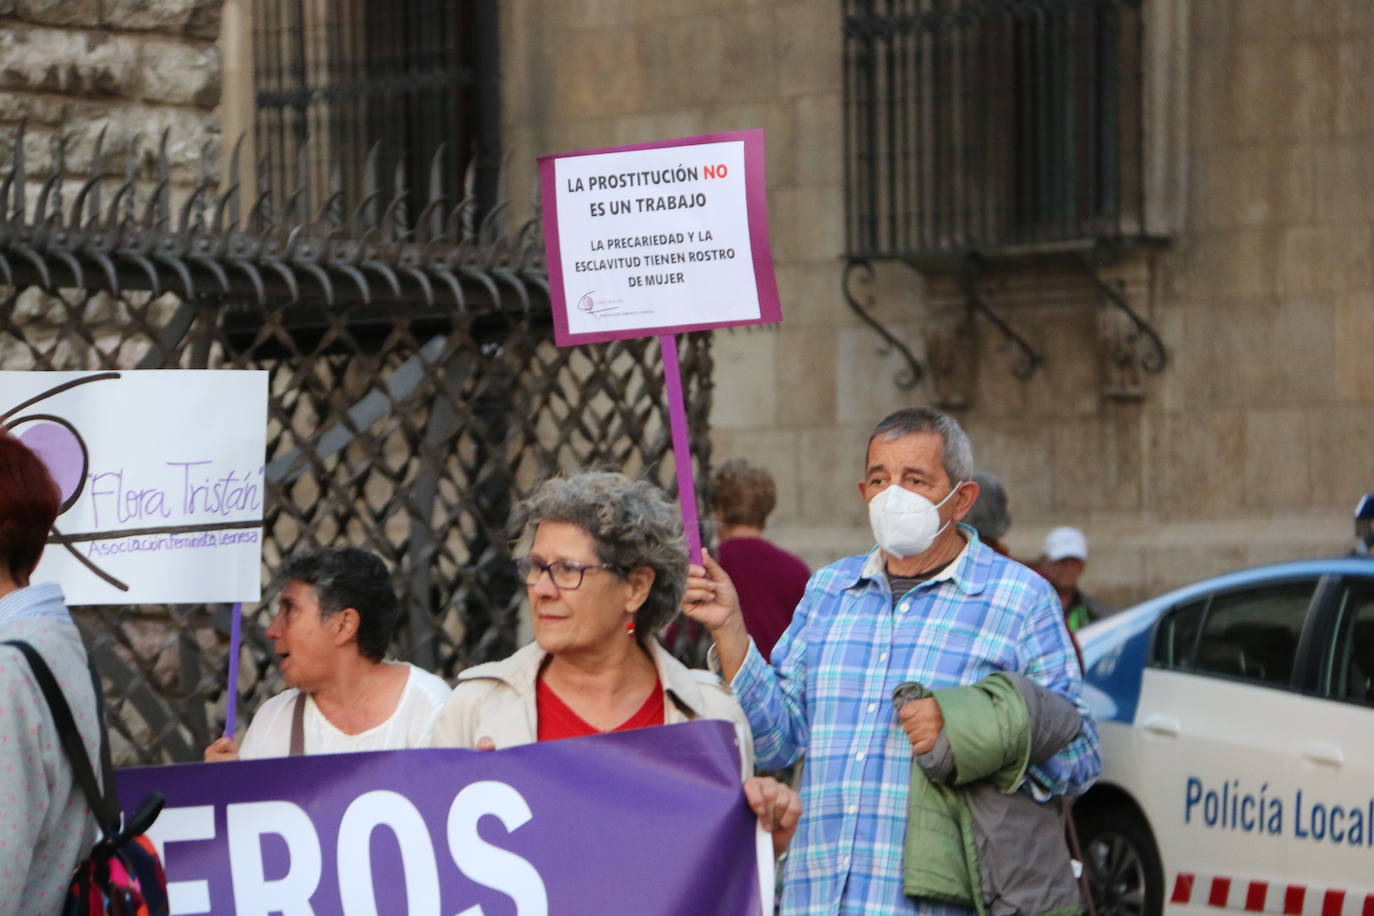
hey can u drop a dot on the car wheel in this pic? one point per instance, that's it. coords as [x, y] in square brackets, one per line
[1123, 869]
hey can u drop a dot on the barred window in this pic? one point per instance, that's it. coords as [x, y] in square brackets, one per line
[991, 125]
[331, 79]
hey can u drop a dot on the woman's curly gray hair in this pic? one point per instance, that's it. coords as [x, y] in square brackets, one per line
[632, 524]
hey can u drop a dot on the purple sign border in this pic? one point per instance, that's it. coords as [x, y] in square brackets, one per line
[756, 205]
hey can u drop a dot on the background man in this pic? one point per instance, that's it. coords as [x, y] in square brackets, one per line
[929, 604]
[1064, 560]
[770, 581]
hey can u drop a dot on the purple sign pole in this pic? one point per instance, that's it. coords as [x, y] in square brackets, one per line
[682, 448]
[231, 700]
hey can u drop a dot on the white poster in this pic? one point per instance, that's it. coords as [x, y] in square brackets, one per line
[162, 480]
[658, 238]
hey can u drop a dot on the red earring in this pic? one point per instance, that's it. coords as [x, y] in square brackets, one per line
[630, 627]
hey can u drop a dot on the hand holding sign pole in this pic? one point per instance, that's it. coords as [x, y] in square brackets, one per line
[658, 239]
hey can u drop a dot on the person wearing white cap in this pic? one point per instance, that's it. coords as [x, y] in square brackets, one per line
[1065, 558]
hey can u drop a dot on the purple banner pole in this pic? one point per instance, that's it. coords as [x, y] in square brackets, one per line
[682, 449]
[231, 701]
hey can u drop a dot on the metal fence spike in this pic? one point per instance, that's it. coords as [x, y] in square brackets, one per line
[387, 274]
[111, 275]
[73, 267]
[154, 216]
[154, 282]
[280, 269]
[232, 195]
[180, 270]
[89, 191]
[20, 176]
[28, 254]
[212, 267]
[255, 278]
[322, 278]
[190, 206]
[41, 209]
[422, 281]
[352, 273]
[5, 269]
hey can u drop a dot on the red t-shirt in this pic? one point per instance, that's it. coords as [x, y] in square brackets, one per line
[557, 720]
[770, 582]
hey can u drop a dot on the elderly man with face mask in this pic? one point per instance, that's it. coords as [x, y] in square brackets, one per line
[929, 605]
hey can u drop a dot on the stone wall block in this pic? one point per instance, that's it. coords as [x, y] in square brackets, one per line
[1097, 462]
[805, 379]
[745, 360]
[75, 63]
[59, 12]
[154, 15]
[181, 74]
[204, 20]
[1342, 439]
[1326, 259]
[832, 463]
[1353, 333]
[34, 109]
[1194, 464]
[1020, 454]
[1277, 446]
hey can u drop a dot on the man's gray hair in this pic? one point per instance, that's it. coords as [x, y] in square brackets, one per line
[632, 524]
[989, 515]
[954, 444]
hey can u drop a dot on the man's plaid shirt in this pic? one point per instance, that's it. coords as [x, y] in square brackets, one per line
[827, 695]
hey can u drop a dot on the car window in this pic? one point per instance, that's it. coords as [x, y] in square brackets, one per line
[1253, 634]
[1178, 636]
[1352, 658]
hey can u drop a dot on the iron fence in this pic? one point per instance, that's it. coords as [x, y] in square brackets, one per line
[415, 395]
[989, 125]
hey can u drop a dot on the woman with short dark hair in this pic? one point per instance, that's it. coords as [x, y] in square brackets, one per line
[605, 571]
[334, 621]
[45, 821]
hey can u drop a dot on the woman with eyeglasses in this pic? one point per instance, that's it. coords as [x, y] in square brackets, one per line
[605, 571]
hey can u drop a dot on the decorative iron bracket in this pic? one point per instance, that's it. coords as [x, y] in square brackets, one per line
[1153, 359]
[1027, 360]
[907, 378]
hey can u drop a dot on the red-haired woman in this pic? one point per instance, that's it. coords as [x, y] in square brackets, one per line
[45, 825]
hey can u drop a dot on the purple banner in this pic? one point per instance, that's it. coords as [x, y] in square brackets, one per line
[645, 822]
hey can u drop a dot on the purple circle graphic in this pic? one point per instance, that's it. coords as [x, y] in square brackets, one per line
[59, 449]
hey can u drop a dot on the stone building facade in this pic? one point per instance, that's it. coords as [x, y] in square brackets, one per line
[134, 69]
[1252, 444]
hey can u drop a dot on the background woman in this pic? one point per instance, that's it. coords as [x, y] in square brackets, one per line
[334, 621]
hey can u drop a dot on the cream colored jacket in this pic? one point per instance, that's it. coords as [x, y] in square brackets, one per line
[496, 701]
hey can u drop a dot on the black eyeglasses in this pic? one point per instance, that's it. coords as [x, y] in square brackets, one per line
[565, 574]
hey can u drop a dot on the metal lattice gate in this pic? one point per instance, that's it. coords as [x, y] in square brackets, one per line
[415, 396]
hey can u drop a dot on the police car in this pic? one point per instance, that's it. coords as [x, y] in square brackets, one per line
[1237, 724]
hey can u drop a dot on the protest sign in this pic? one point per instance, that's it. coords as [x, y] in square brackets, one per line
[161, 474]
[656, 239]
[650, 822]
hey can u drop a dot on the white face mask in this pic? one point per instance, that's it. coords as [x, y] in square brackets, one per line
[906, 523]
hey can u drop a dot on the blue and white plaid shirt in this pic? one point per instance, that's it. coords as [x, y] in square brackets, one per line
[828, 692]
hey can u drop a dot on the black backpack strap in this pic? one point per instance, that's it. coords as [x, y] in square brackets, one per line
[106, 815]
[298, 725]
